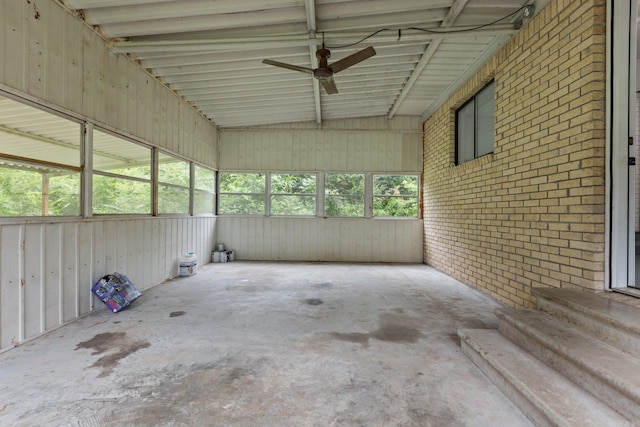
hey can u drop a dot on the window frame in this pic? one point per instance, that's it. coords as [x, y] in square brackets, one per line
[221, 194]
[76, 169]
[365, 192]
[416, 196]
[313, 195]
[458, 144]
[152, 180]
[195, 190]
[190, 188]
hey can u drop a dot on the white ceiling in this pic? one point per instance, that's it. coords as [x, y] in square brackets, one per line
[210, 52]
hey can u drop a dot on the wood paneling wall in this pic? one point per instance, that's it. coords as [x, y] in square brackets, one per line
[320, 239]
[47, 269]
[374, 144]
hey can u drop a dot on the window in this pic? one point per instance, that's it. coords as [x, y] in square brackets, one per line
[293, 194]
[242, 193]
[204, 191]
[40, 164]
[121, 176]
[395, 195]
[344, 194]
[475, 126]
[173, 185]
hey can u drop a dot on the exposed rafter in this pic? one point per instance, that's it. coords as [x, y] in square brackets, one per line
[310, 8]
[271, 42]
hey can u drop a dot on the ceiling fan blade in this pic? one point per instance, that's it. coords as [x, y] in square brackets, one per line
[329, 85]
[288, 66]
[353, 59]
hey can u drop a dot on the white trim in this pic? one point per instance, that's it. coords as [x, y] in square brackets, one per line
[619, 97]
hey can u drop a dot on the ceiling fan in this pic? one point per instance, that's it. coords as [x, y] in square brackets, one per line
[324, 73]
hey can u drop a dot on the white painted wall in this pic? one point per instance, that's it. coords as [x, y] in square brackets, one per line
[47, 268]
[54, 58]
[353, 145]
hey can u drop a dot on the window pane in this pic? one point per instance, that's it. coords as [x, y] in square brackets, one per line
[395, 206]
[172, 170]
[204, 202]
[41, 185]
[248, 204]
[344, 194]
[173, 200]
[242, 182]
[485, 115]
[465, 133]
[64, 195]
[293, 205]
[395, 195]
[27, 190]
[395, 185]
[293, 183]
[205, 179]
[344, 206]
[119, 156]
[344, 183]
[36, 134]
[204, 195]
[120, 196]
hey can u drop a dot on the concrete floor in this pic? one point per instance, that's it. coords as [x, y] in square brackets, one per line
[266, 344]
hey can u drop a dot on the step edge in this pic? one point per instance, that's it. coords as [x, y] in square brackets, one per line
[537, 402]
[569, 354]
[546, 294]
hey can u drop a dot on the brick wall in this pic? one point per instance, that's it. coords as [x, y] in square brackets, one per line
[532, 214]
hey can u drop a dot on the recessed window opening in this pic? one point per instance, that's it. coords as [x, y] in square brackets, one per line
[242, 193]
[344, 194]
[395, 195]
[293, 194]
[475, 126]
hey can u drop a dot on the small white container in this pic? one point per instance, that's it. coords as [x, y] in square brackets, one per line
[215, 256]
[220, 247]
[188, 264]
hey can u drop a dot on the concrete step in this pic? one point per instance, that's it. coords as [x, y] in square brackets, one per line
[542, 394]
[608, 373]
[611, 321]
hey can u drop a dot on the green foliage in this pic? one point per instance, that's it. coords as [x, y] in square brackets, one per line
[344, 194]
[248, 183]
[120, 196]
[293, 184]
[242, 204]
[247, 193]
[21, 193]
[395, 195]
[173, 200]
[204, 202]
[175, 172]
[395, 206]
[205, 179]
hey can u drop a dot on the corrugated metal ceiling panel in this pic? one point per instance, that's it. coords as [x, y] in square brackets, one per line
[211, 53]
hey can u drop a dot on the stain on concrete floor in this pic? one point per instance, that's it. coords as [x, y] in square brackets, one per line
[247, 357]
[104, 343]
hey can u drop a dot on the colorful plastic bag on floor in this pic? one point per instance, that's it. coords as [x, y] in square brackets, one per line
[116, 291]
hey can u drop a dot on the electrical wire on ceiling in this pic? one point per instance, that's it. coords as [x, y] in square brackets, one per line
[425, 30]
